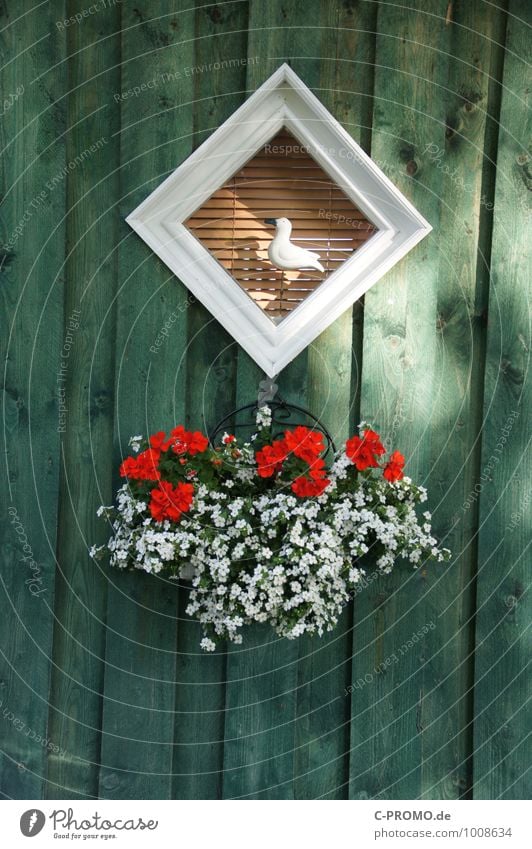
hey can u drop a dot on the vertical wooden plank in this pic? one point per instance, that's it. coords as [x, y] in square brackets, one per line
[500, 755]
[346, 88]
[220, 34]
[400, 365]
[260, 65]
[31, 258]
[465, 225]
[139, 694]
[262, 674]
[87, 378]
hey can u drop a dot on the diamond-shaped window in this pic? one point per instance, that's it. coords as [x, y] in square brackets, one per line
[281, 155]
[281, 181]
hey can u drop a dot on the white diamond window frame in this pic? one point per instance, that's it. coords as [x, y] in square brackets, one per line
[283, 101]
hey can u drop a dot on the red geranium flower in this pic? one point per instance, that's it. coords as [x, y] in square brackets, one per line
[128, 468]
[147, 463]
[143, 467]
[373, 439]
[317, 469]
[186, 442]
[228, 438]
[304, 443]
[393, 471]
[305, 487]
[169, 502]
[158, 441]
[178, 439]
[196, 443]
[271, 458]
[362, 451]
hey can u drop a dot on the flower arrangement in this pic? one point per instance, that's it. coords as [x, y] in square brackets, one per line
[273, 533]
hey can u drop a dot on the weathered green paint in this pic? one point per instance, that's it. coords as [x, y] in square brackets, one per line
[461, 303]
[502, 753]
[90, 275]
[261, 765]
[220, 35]
[322, 732]
[155, 136]
[31, 268]
[399, 384]
[436, 357]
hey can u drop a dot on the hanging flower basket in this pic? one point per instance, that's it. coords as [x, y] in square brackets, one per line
[267, 529]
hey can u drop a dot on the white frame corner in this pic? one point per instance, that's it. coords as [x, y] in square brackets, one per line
[282, 101]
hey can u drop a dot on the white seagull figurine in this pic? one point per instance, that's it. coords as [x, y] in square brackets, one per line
[284, 254]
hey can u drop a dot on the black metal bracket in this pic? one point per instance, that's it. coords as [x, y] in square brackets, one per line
[284, 415]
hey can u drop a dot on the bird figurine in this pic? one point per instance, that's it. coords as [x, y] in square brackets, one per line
[286, 255]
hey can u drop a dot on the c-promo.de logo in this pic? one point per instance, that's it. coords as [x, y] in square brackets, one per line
[32, 822]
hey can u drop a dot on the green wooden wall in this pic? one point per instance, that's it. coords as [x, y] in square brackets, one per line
[103, 690]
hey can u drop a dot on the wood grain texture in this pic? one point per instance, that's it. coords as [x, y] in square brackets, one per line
[156, 127]
[220, 34]
[31, 269]
[259, 720]
[86, 475]
[259, 760]
[467, 165]
[346, 83]
[501, 754]
[401, 363]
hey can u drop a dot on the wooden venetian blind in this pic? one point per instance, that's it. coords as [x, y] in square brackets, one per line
[282, 180]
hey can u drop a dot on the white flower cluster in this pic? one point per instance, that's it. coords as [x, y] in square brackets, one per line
[264, 416]
[139, 541]
[273, 557]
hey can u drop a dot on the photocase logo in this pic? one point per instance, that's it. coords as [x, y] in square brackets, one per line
[32, 822]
